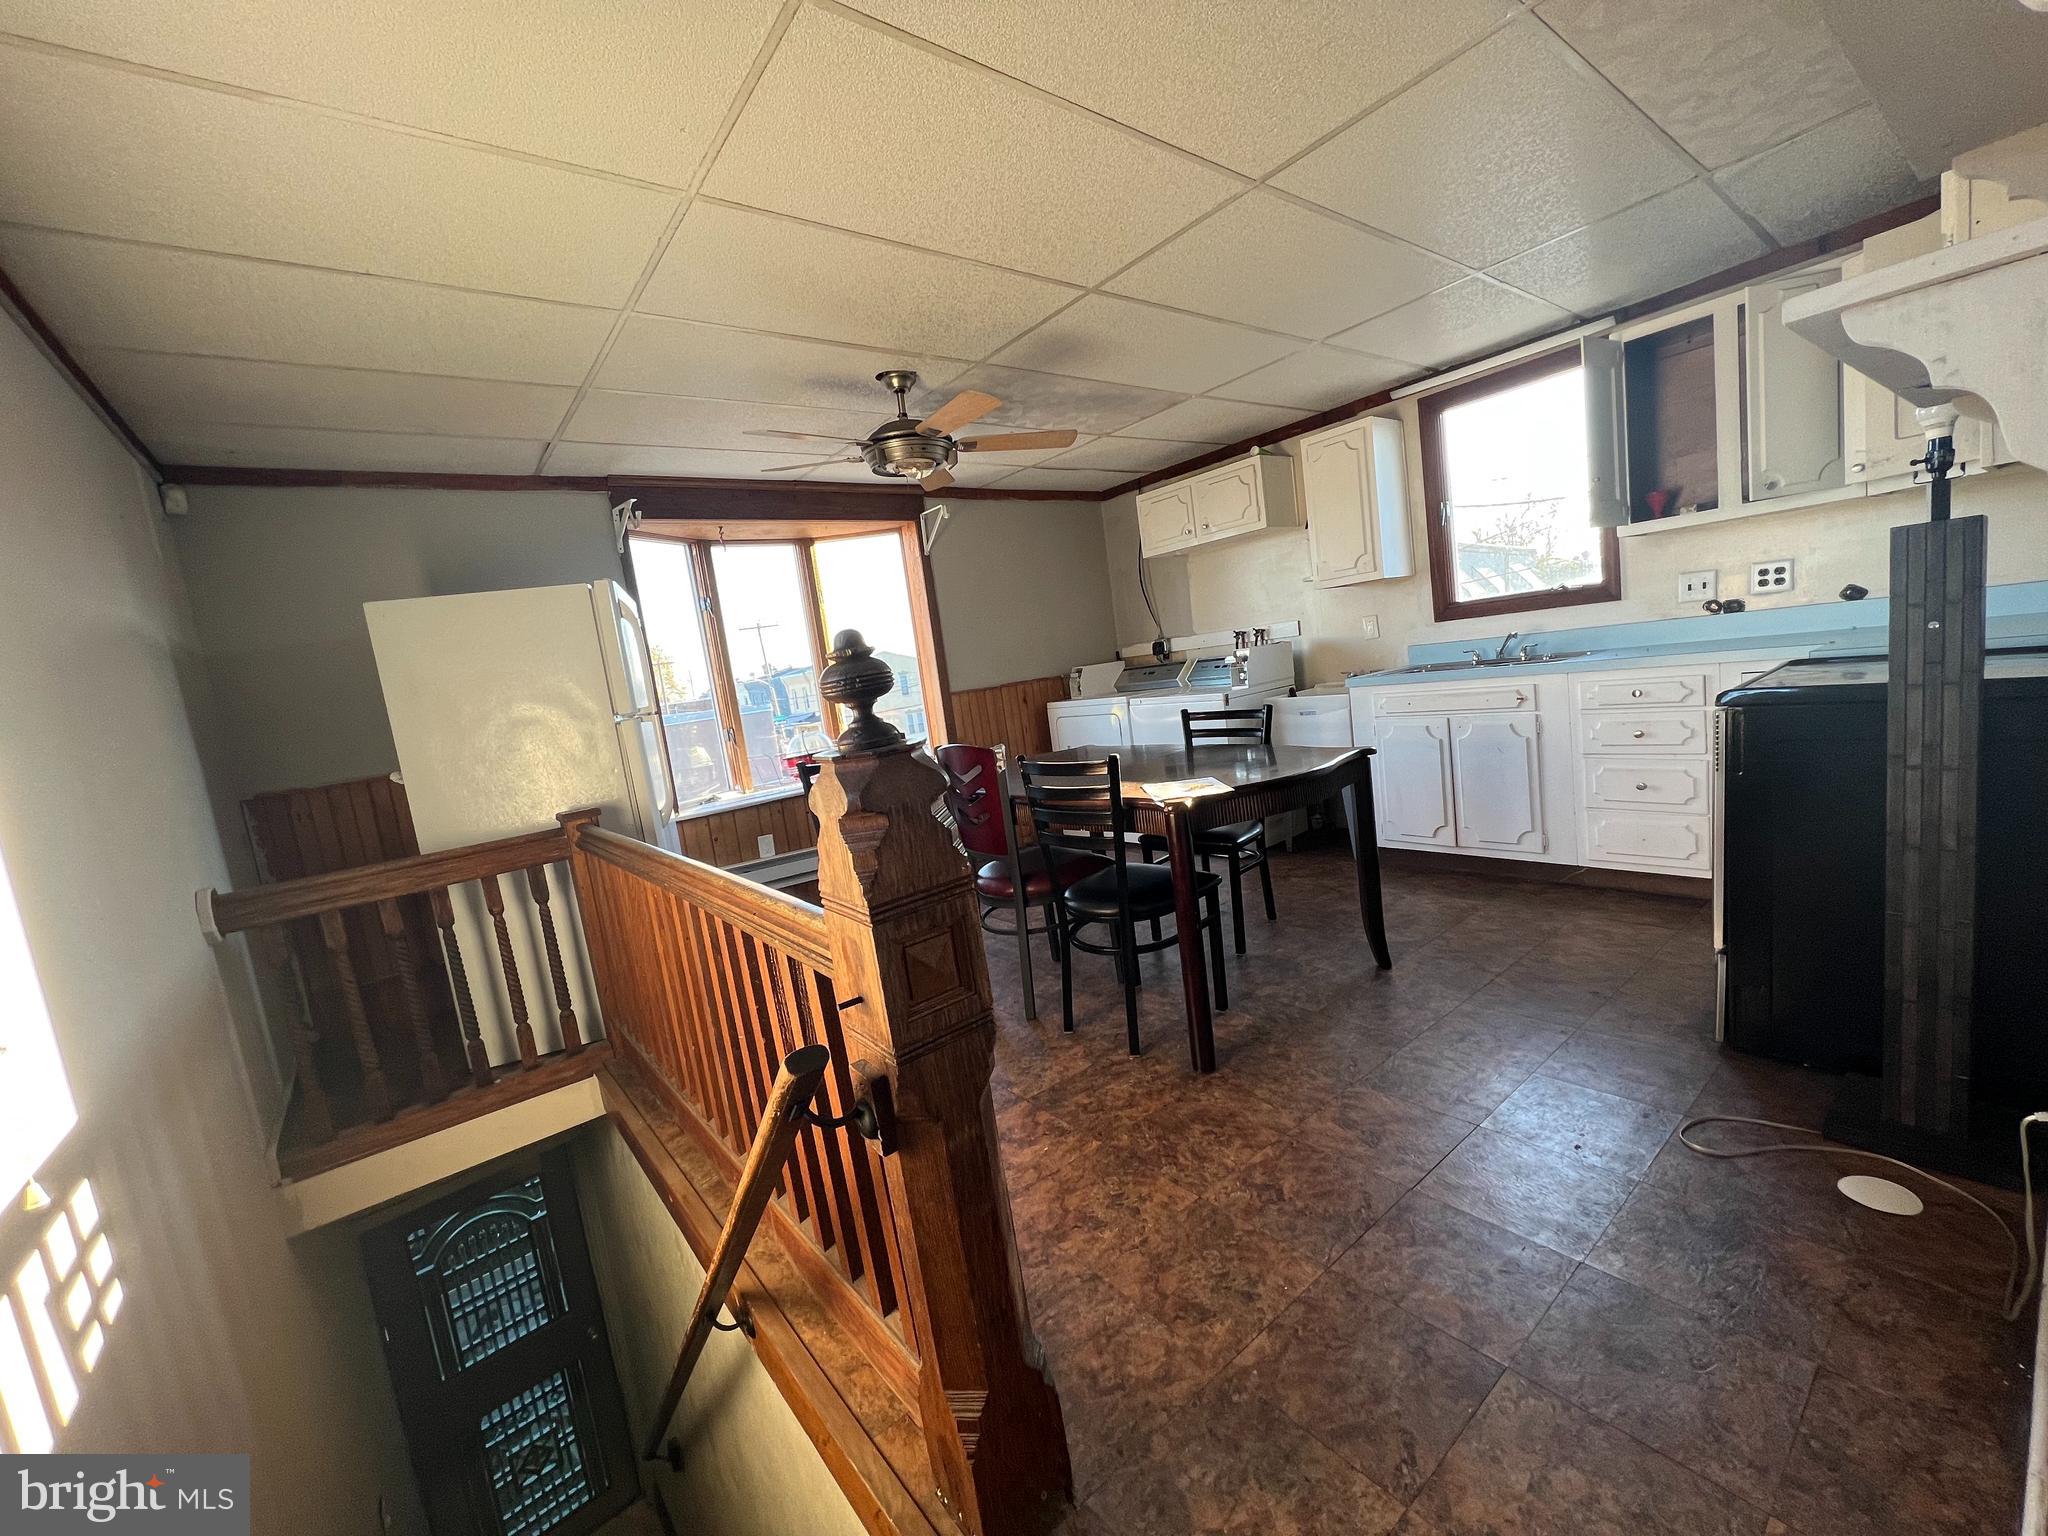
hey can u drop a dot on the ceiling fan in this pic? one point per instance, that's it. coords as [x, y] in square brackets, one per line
[925, 451]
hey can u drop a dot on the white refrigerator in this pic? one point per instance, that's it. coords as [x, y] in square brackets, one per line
[509, 708]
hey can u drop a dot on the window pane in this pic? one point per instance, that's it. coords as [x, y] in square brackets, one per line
[864, 587]
[1515, 476]
[682, 672]
[768, 637]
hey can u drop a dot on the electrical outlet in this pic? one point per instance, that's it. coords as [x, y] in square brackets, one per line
[1770, 577]
[765, 845]
[1372, 626]
[1696, 587]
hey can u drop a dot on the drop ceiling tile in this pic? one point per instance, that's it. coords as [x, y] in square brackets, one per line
[1034, 401]
[1725, 80]
[573, 458]
[1840, 172]
[1130, 343]
[735, 266]
[1271, 262]
[1131, 455]
[940, 154]
[1509, 145]
[151, 298]
[1247, 86]
[681, 357]
[176, 443]
[621, 94]
[613, 416]
[1054, 479]
[1674, 239]
[1211, 421]
[153, 387]
[1317, 378]
[1464, 320]
[178, 165]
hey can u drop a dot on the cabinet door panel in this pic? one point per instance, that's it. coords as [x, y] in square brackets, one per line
[1227, 501]
[1412, 773]
[1795, 398]
[1166, 519]
[1639, 838]
[1497, 774]
[1600, 358]
[1343, 528]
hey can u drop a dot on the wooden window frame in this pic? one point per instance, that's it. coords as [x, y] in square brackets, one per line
[1443, 580]
[804, 536]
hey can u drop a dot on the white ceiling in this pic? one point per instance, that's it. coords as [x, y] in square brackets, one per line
[581, 239]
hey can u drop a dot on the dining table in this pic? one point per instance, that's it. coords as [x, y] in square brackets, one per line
[1259, 781]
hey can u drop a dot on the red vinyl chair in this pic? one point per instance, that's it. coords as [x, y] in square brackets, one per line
[978, 800]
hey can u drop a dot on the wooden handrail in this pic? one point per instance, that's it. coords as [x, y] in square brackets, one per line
[261, 906]
[792, 925]
[796, 1084]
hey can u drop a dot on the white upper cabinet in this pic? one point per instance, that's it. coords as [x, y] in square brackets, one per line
[1606, 381]
[1794, 397]
[1354, 485]
[1166, 518]
[1246, 495]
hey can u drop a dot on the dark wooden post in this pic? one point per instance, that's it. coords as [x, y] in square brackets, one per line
[912, 989]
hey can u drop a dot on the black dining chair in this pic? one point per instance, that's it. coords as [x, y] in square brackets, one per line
[1240, 844]
[1077, 809]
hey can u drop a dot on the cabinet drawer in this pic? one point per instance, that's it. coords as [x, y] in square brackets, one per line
[1452, 700]
[1650, 838]
[1672, 784]
[1629, 690]
[1668, 731]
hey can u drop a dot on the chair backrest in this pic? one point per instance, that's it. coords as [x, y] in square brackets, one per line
[975, 798]
[807, 772]
[1227, 727]
[1077, 807]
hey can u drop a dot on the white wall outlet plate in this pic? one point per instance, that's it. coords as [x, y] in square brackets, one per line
[1695, 587]
[1768, 577]
[765, 844]
[1372, 626]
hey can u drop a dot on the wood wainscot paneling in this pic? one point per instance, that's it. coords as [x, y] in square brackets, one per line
[1009, 714]
[733, 836]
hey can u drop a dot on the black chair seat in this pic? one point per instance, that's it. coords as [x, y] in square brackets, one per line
[1151, 892]
[1231, 837]
[993, 878]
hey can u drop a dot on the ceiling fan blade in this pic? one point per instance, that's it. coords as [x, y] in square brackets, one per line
[937, 480]
[1019, 440]
[776, 469]
[812, 437]
[968, 405]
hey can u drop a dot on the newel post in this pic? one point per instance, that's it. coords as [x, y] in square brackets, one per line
[912, 984]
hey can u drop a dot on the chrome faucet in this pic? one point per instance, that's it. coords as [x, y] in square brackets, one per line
[1506, 640]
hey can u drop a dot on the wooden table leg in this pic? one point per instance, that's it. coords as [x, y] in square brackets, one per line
[1365, 855]
[1187, 919]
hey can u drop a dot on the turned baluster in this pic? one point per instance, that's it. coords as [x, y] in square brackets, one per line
[392, 917]
[508, 964]
[572, 1034]
[376, 1095]
[313, 1106]
[458, 977]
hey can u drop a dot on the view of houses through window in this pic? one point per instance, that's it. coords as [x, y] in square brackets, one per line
[738, 631]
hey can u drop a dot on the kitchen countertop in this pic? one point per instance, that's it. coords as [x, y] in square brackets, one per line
[2017, 614]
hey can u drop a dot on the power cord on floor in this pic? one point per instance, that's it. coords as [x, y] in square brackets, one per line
[2017, 1287]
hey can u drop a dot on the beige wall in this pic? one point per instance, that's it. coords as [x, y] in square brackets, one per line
[1022, 590]
[231, 1338]
[748, 1467]
[1262, 578]
[278, 579]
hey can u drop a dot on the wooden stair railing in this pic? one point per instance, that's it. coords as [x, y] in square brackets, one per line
[708, 979]
[413, 1039]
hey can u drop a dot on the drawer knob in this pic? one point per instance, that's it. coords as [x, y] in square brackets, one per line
[1641, 785]
[1635, 693]
[1639, 735]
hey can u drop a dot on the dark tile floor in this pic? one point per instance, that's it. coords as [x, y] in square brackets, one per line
[1425, 1256]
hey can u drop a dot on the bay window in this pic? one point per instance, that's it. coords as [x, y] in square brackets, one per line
[739, 624]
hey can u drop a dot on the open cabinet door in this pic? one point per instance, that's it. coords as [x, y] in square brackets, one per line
[1601, 364]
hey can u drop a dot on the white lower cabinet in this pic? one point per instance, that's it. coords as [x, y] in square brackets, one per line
[1497, 782]
[1412, 780]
